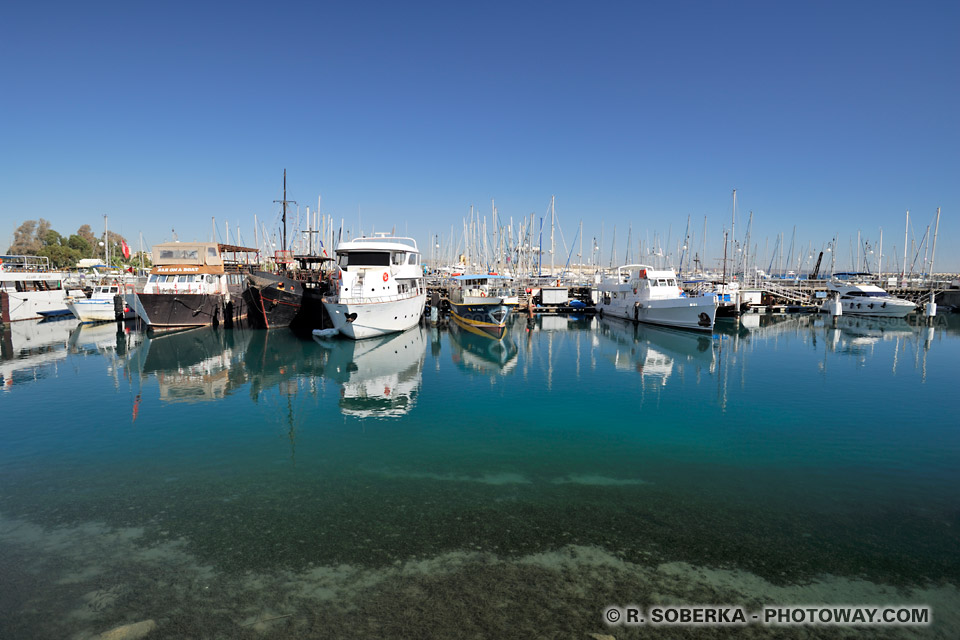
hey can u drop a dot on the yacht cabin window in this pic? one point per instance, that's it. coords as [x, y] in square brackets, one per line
[413, 258]
[653, 283]
[364, 259]
[179, 254]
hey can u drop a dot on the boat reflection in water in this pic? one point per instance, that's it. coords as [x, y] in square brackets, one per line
[379, 377]
[653, 351]
[31, 349]
[194, 365]
[109, 339]
[480, 354]
[280, 359]
[863, 339]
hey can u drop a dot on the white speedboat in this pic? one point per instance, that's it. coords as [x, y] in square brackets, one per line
[644, 294]
[100, 306]
[870, 300]
[380, 287]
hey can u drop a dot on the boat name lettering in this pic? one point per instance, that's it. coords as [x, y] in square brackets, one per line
[177, 269]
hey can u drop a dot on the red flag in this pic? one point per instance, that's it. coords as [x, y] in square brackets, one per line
[125, 249]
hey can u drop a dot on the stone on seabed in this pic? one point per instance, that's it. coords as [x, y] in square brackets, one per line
[129, 631]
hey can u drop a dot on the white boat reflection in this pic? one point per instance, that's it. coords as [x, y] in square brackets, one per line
[653, 352]
[31, 349]
[872, 330]
[105, 338]
[379, 377]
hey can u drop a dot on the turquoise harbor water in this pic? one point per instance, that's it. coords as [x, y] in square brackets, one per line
[244, 484]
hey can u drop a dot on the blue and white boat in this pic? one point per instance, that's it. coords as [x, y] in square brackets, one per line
[480, 303]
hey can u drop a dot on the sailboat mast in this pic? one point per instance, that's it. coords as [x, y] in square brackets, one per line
[933, 253]
[906, 231]
[880, 257]
[284, 205]
[733, 233]
[553, 219]
[580, 254]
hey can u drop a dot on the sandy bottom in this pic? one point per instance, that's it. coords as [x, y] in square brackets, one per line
[78, 582]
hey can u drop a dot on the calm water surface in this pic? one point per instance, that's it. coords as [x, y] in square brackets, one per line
[236, 483]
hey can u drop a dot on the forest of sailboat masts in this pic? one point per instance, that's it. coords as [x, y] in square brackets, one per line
[541, 244]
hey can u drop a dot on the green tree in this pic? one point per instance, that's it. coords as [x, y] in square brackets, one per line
[80, 245]
[51, 237]
[60, 255]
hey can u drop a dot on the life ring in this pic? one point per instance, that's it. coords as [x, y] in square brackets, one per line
[483, 294]
[386, 276]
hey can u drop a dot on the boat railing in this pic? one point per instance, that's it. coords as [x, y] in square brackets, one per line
[25, 264]
[372, 299]
[236, 267]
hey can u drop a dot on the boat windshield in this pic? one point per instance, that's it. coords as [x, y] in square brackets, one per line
[867, 294]
[364, 259]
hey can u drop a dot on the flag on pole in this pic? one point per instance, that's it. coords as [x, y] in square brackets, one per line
[125, 249]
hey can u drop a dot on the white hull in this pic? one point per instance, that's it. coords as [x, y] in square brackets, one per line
[375, 318]
[88, 310]
[685, 313]
[27, 305]
[893, 309]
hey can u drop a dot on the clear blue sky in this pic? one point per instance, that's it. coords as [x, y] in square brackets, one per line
[831, 116]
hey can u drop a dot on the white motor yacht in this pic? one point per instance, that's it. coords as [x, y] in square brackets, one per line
[30, 288]
[644, 294]
[870, 300]
[380, 287]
